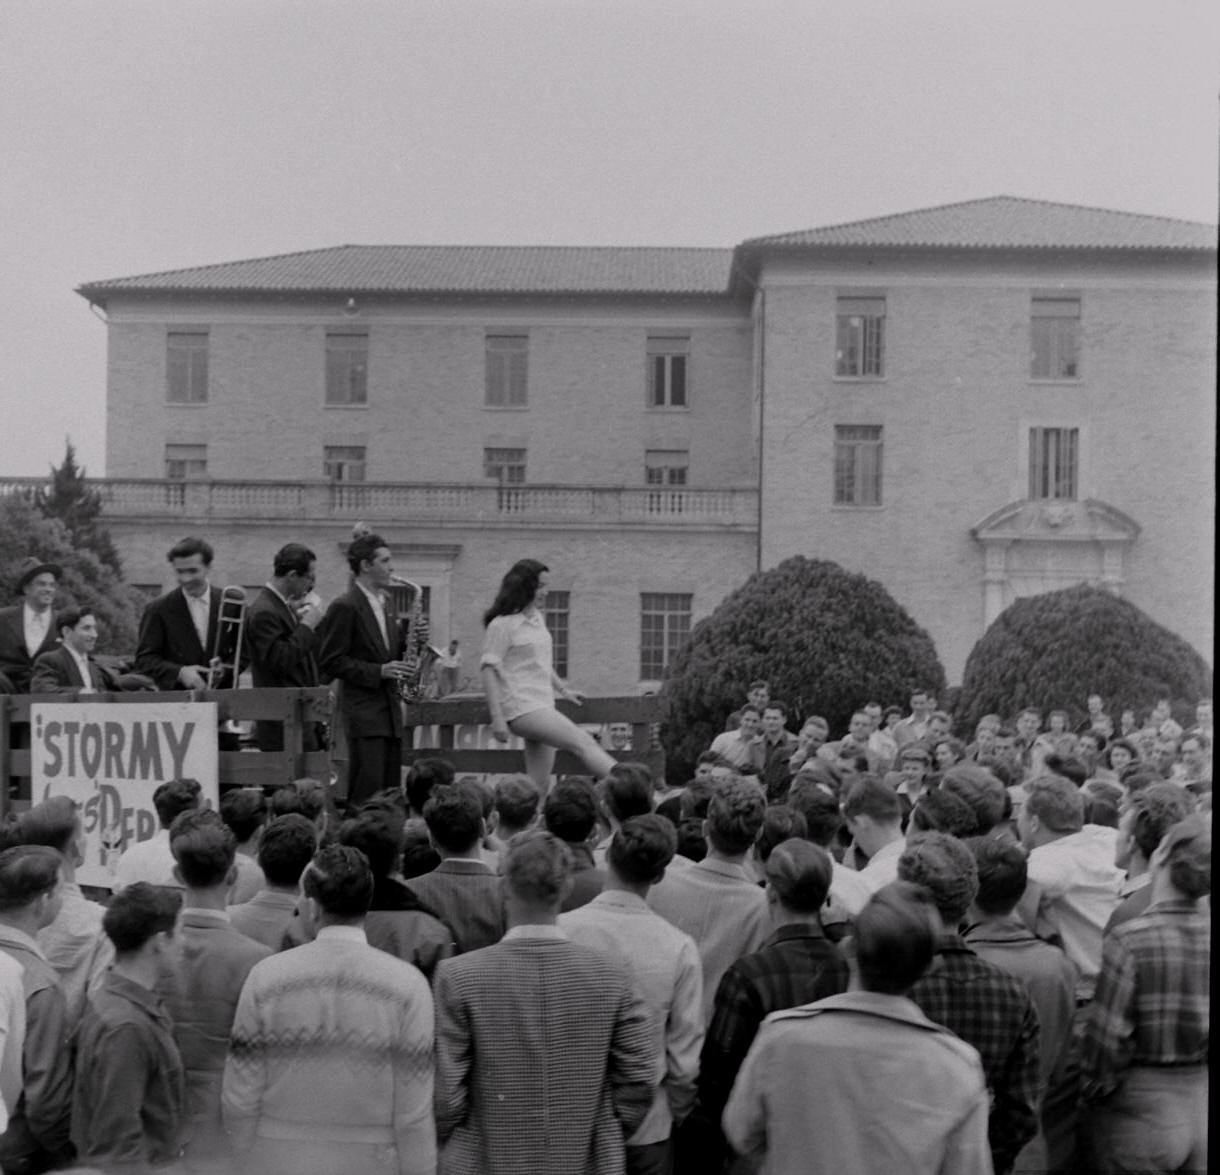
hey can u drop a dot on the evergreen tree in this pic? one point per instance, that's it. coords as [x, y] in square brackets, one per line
[69, 498]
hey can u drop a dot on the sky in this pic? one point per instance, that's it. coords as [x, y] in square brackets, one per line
[142, 136]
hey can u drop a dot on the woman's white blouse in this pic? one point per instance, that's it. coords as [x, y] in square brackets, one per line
[518, 647]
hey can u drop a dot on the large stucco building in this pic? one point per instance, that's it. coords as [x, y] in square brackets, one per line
[967, 403]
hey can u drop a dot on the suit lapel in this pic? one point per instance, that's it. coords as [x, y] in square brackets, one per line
[371, 627]
[187, 624]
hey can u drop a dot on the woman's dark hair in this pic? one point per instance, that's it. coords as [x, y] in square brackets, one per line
[517, 589]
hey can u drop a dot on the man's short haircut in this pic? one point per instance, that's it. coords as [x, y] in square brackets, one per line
[642, 847]
[1031, 710]
[364, 549]
[138, 912]
[203, 846]
[1059, 714]
[379, 839]
[188, 547]
[1005, 732]
[781, 822]
[696, 800]
[244, 810]
[538, 867]
[773, 704]
[800, 874]
[692, 844]
[734, 816]
[896, 935]
[1066, 765]
[53, 823]
[892, 712]
[292, 557]
[454, 816]
[938, 810]
[1056, 802]
[819, 771]
[1003, 873]
[1003, 769]
[418, 855]
[915, 751]
[760, 684]
[71, 617]
[627, 791]
[287, 845]
[174, 796]
[570, 811]
[422, 776]
[819, 809]
[1157, 808]
[981, 790]
[713, 757]
[748, 708]
[868, 796]
[304, 797]
[340, 881]
[1102, 801]
[945, 868]
[1137, 776]
[517, 800]
[1188, 856]
[816, 720]
[26, 873]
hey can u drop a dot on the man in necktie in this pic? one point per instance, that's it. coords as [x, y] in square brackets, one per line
[28, 629]
[71, 668]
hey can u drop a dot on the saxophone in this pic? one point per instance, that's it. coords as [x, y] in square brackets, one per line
[416, 648]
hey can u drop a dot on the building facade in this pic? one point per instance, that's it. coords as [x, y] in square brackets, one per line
[968, 404]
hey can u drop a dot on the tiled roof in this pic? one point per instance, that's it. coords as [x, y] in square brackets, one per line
[450, 269]
[1008, 222]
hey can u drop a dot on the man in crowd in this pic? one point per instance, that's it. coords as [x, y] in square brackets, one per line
[362, 646]
[1194, 771]
[127, 1110]
[665, 971]
[985, 1006]
[854, 744]
[516, 802]
[874, 818]
[285, 849]
[813, 736]
[849, 891]
[775, 748]
[717, 901]
[1151, 812]
[331, 1060]
[552, 1024]
[28, 629]
[152, 860]
[895, 1092]
[244, 811]
[570, 813]
[739, 747]
[71, 669]
[914, 727]
[213, 962]
[281, 632]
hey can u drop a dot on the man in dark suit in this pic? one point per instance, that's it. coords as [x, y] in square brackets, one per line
[178, 630]
[28, 629]
[71, 667]
[361, 643]
[281, 635]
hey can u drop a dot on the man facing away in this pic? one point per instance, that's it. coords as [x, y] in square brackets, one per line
[546, 1058]
[894, 1091]
[285, 849]
[330, 1062]
[873, 813]
[128, 1103]
[152, 860]
[1151, 812]
[665, 971]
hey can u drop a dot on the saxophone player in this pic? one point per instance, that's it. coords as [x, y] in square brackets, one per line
[361, 644]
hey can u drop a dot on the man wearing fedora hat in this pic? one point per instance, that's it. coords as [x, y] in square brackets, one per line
[28, 629]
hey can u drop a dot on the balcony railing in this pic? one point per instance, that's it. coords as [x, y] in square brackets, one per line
[481, 502]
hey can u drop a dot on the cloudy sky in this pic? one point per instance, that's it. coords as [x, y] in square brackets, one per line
[136, 137]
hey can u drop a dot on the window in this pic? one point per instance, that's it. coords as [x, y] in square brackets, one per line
[507, 371]
[1055, 338]
[860, 337]
[186, 462]
[664, 627]
[402, 600]
[1054, 463]
[668, 359]
[343, 462]
[857, 465]
[506, 467]
[556, 616]
[186, 367]
[347, 367]
[665, 467]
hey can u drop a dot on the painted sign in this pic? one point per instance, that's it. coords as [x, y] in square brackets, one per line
[110, 759]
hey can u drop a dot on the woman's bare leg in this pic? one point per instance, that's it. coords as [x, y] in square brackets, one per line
[556, 732]
[539, 760]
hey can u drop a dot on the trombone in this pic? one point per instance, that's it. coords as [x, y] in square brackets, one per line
[226, 644]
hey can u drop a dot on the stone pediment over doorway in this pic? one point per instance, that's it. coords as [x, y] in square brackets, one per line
[1031, 547]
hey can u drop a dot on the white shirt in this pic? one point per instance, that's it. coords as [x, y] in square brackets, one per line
[375, 602]
[199, 607]
[518, 648]
[882, 867]
[82, 664]
[147, 860]
[34, 625]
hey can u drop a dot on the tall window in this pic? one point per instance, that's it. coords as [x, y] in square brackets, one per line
[186, 367]
[1054, 463]
[665, 467]
[556, 616]
[668, 361]
[507, 468]
[857, 465]
[343, 462]
[860, 337]
[664, 628]
[507, 371]
[347, 367]
[186, 462]
[1055, 338]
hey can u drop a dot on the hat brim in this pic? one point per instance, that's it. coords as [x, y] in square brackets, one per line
[53, 568]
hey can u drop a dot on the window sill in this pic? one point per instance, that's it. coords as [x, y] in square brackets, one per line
[1068, 381]
[849, 508]
[186, 403]
[348, 407]
[859, 379]
[667, 409]
[506, 407]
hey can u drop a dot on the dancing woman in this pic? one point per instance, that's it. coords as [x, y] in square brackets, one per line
[521, 684]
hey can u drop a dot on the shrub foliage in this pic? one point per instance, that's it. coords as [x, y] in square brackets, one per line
[1052, 651]
[827, 640]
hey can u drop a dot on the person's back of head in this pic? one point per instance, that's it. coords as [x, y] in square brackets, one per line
[734, 817]
[1155, 810]
[423, 777]
[305, 797]
[516, 801]
[820, 811]
[781, 822]
[174, 796]
[1102, 801]
[380, 841]
[945, 867]
[27, 873]
[1056, 802]
[1137, 776]
[641, 849]
[244, 810]
[627, 791]
[53, 823]
[570, 811]
[981, 790]
[940, 810]
[418, 854]
[1186, 853]
[869, 796]
[340, 881]
[896, 937]
[692, 844]
[138, 913]
[1003, 873]
[818, 771]
[454, 816]
[286, 847]
[1066, 765]
[538, 869]
[694, 802]
[799, 875]
[204, 848]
